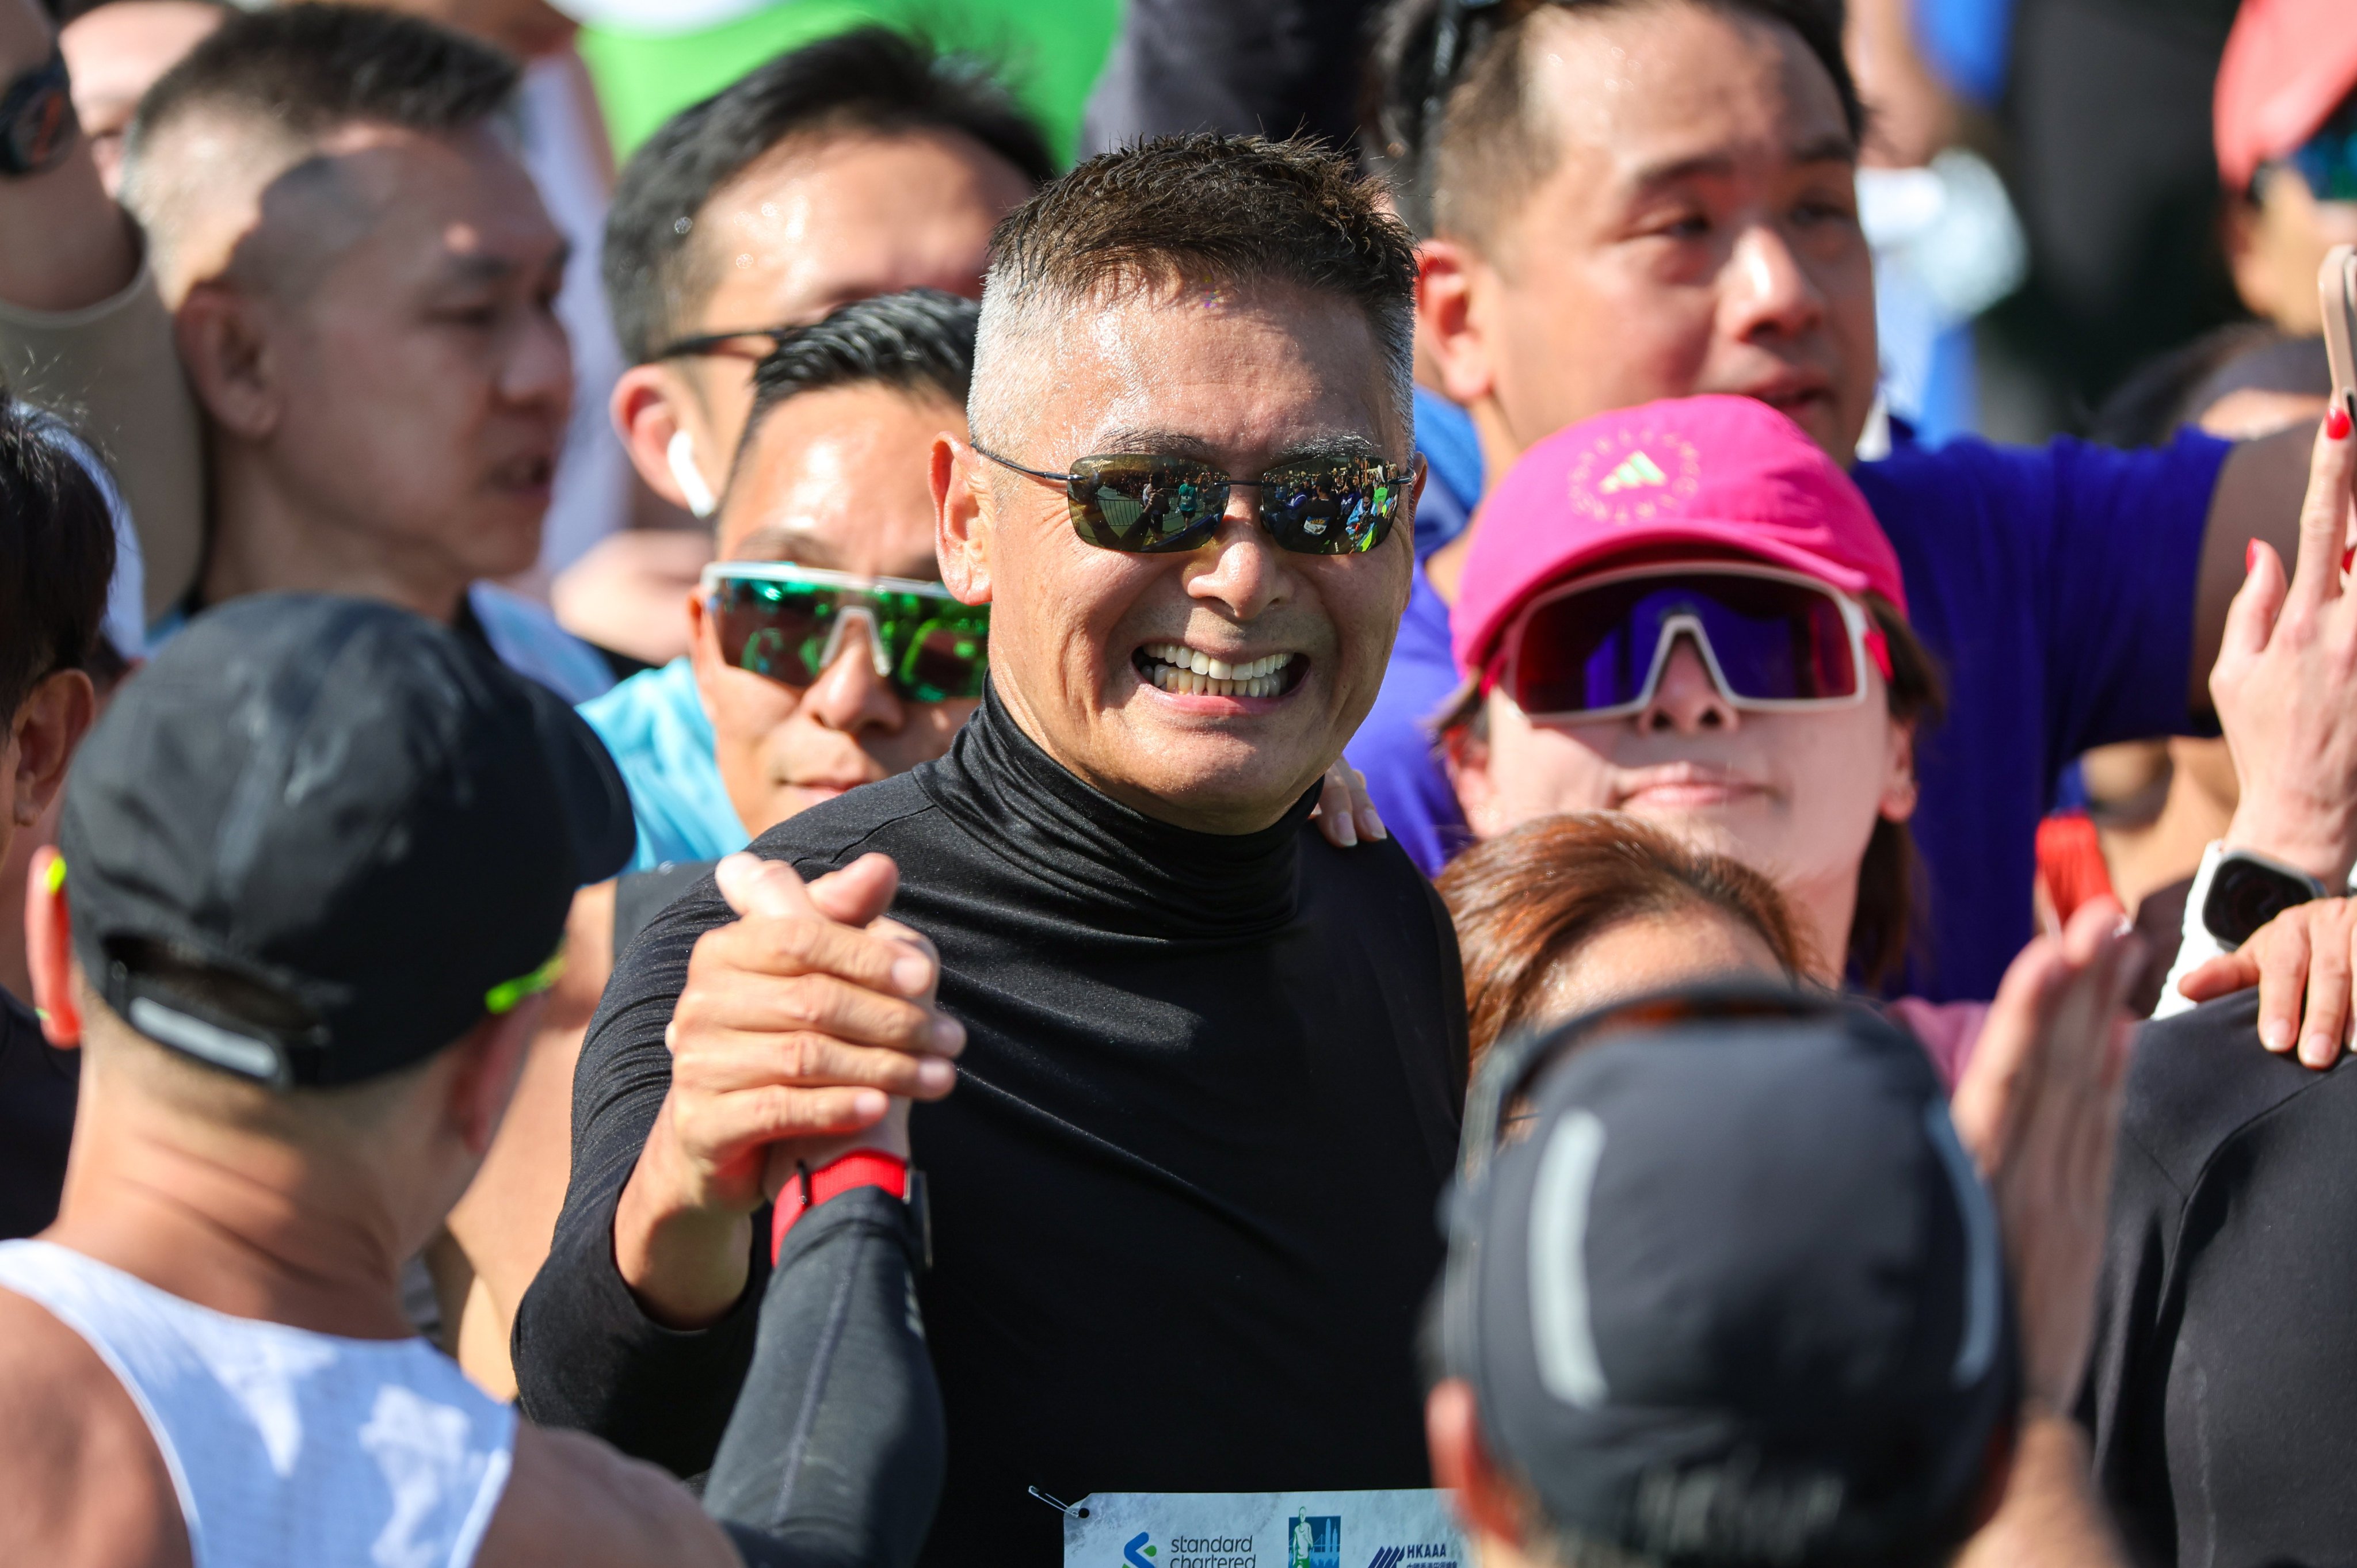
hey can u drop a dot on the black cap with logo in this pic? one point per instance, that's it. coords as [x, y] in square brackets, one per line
[317, 839]
[1729, 1292]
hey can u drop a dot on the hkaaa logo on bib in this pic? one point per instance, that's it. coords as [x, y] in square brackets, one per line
[1635, 475]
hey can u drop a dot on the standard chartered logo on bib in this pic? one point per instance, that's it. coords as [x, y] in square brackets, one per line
[1263, 1530]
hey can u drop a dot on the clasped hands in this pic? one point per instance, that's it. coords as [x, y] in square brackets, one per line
[806, 1028]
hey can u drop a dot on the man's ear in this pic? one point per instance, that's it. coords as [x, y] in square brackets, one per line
[49, 948]
[490, 1059]
[960, 520]
[1486, 1500]
[49, 724]
[649, 408]
[1899, 790]
[1448, 276]
[224, 342]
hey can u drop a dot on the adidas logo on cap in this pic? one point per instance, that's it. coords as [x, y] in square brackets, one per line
[1637, 469]
[1634, 476]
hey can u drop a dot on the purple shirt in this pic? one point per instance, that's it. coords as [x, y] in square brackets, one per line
[2055, 587]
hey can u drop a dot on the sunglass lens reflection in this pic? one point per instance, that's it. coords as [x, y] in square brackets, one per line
[944, 659]
[1143, 504]
[1140, 503]
[780, 630]
[1775, 642]
[774, 629]
[1331, 509]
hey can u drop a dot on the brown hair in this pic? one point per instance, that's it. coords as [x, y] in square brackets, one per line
[1890, 880]
[1888, 876]
[1525, 900]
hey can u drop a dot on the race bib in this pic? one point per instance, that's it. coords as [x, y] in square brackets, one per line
[1263, 1530]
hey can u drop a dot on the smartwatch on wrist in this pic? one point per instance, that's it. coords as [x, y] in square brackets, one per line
[2247, 890]
[36, 120]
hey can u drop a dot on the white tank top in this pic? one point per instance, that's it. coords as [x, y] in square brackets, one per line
[288, 1449]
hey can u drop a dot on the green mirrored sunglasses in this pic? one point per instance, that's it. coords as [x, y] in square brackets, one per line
[787, 622]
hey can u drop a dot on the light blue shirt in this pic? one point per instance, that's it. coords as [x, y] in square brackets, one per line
[655, 725]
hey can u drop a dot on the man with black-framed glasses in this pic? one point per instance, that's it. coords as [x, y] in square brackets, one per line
[1208, 1066]
[858, 164]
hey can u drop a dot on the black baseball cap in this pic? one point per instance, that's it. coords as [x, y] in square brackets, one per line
[316, 839]
[1730, 1291]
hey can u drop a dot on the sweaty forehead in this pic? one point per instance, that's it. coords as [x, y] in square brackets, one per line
[1653, 88]
[840, 478]
[1235, 372]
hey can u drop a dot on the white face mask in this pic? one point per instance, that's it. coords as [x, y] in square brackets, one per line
[681, 455]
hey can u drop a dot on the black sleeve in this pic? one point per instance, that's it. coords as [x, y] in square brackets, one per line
[585, 1355]
[640, 895]
[1452, 994]
[2121, 1405]
[833, 1456]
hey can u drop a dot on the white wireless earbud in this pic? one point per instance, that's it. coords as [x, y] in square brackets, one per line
[681, 455]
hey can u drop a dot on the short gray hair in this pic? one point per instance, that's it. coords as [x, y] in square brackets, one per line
[1235, 210]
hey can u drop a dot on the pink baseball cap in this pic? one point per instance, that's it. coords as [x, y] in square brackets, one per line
[1725, 472]
[2287, 65]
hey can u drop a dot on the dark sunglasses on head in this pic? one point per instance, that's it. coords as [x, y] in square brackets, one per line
[2328, 160]
[1772, 641]
[1146, 503]
[788, 623]
[1416, 95]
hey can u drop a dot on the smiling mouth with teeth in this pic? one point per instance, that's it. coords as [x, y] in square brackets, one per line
[1174, 667]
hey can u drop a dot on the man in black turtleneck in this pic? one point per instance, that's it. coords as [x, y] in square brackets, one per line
[1183, 1194]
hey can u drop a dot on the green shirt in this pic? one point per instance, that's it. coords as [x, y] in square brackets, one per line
[1049, 51]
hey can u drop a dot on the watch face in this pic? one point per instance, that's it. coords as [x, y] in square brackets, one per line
[2245, 895]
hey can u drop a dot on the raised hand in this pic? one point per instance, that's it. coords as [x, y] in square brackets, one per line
[2286, 684]
[802, 1023]
[2039, 1106]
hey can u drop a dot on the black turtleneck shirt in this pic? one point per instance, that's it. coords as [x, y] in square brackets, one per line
[2221, 1392]
[1183, 1195]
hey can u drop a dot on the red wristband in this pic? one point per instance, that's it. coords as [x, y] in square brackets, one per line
[860, 1167]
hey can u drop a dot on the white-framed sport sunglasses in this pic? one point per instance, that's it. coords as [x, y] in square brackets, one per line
[787, 622]
[1773, 640]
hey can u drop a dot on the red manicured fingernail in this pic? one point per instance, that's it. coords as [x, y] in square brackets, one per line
[2336, 424]
[2347, 556]
[2250, 557]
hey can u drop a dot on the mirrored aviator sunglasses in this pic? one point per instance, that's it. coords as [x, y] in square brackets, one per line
[1771, 641]
[1146, 503]
[788, 623]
